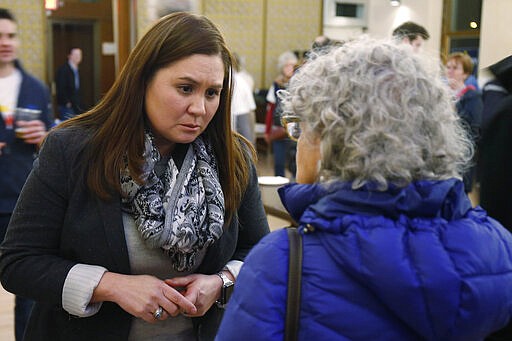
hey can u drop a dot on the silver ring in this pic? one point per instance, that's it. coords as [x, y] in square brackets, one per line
[158, 313]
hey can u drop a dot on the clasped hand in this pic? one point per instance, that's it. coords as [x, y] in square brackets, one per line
[141, 295]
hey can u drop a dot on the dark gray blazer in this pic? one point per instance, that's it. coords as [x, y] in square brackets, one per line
[66, 89]
[57, 223]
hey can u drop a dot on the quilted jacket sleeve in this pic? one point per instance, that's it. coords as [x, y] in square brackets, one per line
[257, 308]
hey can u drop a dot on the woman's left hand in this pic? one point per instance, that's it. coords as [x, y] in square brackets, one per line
[202, 290]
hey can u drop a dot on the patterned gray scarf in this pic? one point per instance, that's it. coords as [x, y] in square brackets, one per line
[183, 211]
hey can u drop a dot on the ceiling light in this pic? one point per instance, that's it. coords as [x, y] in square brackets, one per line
[51, 4]
[394, 3]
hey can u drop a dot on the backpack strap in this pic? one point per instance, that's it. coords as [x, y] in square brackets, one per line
[294, 285]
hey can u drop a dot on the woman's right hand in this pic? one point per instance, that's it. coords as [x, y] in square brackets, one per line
[141, 295]
[455, 84]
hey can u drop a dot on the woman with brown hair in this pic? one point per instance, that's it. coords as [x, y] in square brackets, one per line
[468, 102]
[145, 206]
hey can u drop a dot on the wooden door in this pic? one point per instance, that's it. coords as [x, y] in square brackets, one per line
[66, 35]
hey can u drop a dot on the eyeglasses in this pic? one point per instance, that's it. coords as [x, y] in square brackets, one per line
[291, 124]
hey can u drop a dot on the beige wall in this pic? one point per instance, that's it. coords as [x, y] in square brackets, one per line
[290, 25]
[383, 18]
[495, 34]
[259, 30]
[31, 20]
[242, 23]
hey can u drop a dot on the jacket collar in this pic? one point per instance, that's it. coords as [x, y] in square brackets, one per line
[444, 199]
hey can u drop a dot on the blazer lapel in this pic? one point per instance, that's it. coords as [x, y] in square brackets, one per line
[114, 232]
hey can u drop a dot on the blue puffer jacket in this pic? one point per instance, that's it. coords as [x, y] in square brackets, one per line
[414, 263]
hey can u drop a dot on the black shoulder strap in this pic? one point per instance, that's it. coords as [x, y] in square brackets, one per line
[294, 285]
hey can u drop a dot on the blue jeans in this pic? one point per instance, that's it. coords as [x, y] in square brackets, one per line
[22, 306]
[279, 149]
[283, 150]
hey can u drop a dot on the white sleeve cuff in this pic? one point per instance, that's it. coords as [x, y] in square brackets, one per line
[79, 285]
[234, 267]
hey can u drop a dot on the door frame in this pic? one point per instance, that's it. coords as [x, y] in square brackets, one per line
[96, 54]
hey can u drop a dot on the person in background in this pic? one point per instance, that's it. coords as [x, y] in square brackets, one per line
[468, 102]
[411, 33]
[18, 89]
[495, 161]
[67, 80]
[471, 79]
[274, 132]
[242, 70]
[242, 104]
[392, 249]
[323, 44]
[415, 35]
[138, 214]
[496, 89]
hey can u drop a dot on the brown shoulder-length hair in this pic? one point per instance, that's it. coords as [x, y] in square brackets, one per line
[117, 121]
[464, 59]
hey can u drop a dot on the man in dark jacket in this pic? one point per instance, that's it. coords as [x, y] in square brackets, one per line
[18, 89]
[411, 33]
[495, 161]
[495, 177]
[496, 89]
[496, 165]
[67, 80]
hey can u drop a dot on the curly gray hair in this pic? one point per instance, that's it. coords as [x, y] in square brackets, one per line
[383, 115]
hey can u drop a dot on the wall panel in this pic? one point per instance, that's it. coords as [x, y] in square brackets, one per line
[31, 19]
[291, 25]
[259, 30]
[242, 24]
